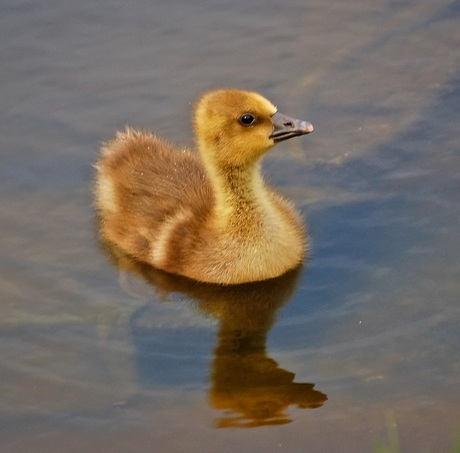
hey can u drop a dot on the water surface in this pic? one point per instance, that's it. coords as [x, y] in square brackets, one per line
[104, 355]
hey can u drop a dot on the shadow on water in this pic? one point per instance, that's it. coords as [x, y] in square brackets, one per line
[246, 383]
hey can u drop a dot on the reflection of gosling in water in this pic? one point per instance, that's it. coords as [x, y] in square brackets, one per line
[246, 384]
[209, 217]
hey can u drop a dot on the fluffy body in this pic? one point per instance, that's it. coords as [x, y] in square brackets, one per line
[208, 216]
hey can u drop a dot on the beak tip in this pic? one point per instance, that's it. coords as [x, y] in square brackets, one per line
[308, 127]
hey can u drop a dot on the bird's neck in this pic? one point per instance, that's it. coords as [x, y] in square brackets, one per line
[240, 192]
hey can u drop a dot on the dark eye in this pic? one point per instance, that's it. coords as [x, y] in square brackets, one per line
[247, 119]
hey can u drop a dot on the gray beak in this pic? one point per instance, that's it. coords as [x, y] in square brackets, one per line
[285, 127]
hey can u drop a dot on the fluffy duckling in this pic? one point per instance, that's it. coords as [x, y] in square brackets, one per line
[207, 216]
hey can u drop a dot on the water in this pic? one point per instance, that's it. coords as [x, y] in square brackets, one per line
[105, 356]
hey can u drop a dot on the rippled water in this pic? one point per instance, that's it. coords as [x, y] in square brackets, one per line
[100, 354]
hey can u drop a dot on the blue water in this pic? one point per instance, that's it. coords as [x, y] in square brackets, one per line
[99, 355]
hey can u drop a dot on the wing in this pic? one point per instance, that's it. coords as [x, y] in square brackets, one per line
[142, 182]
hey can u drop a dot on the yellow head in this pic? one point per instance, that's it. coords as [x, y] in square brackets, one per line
[234, 127]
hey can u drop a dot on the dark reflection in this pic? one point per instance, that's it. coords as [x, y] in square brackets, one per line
[245, 382]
